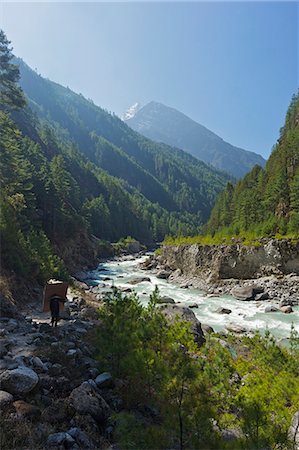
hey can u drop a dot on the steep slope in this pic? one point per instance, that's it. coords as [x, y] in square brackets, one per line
[266, 200]
[167, 176]
[164, 124]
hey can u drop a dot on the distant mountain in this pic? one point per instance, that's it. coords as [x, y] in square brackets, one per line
[164, 124]
[166, 176]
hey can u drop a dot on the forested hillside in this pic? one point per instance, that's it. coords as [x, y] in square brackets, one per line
[265, 201]
[165, 175]
[164, 124]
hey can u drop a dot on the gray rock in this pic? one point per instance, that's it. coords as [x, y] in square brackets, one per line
[163, 274]
[236, 328]
[37, 362]
[207, 329]
[86, 400]
[262, 296]
[138, 280]
[271, 308]
[293, 433]
[104, 380]
[65, 313]
[166, 299]
[221, 310]
[19, 381]
[5, 399]
[81, 438]
[243, 293]
[172, 312]
[62, 440]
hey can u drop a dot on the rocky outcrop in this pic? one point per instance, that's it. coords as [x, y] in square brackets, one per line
[214, 262]
[173, 312]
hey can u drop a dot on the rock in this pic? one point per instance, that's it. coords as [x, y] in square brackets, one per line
[166, 299]
[81, 438]
[163, 274]
[235, 328]
[243, 293]
[61, 440]
[7, 308]
[172, 312]
[286, 309]
[57, 412]
[126, 289]
[37, 362]
[86, 400]
[19, 381]
[207, 329]
[104, 380]
[26, 410]
[176, 274]
[5, 399]
[45, 328]
[223, 310]
[138, 280]
[262, 296]
[293, 433]
[271, 308]
[133, 247]
[192, 305]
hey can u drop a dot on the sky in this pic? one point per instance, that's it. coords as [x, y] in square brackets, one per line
[231, 66]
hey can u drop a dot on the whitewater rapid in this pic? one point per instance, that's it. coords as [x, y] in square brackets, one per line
[248, 315]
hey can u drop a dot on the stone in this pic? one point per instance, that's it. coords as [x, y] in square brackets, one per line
[293, 433]
[26, 410]
[238, 329]
[104, 380]
[138, 280]
[271, 308]
[19, 381]
[163, 274]
[192, 305]
[81, 438]
[61, 440]
[207, 329]
[262, 296]
[86, 400]
[171, 312]
[286, 309]
[243, 293]
[166, 299]
[221, 310]
[65, 313]
[37, 362]
[5, 399]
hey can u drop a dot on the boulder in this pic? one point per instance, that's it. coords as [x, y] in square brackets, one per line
[172, 312]
[138, 280]
[192, 305]
[5, 399]
[163, 274]
[104, 380]
[262, 296]
[61, 440]
[81, 438]
[243, 293]
[86, 400]
[271, 308]
[207, 329]
[293, 433]
[286, 309]
[19, 381]
[166, 299]
[221, 310]
[235, 328]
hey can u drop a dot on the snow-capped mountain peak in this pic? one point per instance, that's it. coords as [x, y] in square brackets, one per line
[130, 113]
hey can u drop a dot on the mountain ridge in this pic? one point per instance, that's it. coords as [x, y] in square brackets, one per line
[166, 124]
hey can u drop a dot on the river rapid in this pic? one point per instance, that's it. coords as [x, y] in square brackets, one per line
[249, 315]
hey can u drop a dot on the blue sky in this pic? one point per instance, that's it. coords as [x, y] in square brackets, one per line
[231, 66]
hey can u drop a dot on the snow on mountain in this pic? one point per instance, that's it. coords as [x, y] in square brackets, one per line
[130, 113]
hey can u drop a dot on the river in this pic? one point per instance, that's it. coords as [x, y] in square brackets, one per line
[249, 315]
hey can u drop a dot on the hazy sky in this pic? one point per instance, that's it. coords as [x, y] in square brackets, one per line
[233, 67]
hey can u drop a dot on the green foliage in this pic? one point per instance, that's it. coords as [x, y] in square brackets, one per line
[181, 396]
[265, 201]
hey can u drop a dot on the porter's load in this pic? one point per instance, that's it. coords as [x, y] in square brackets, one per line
[54, 288]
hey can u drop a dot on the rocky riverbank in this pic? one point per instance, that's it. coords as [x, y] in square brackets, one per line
[269, 272]
[53, 394]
